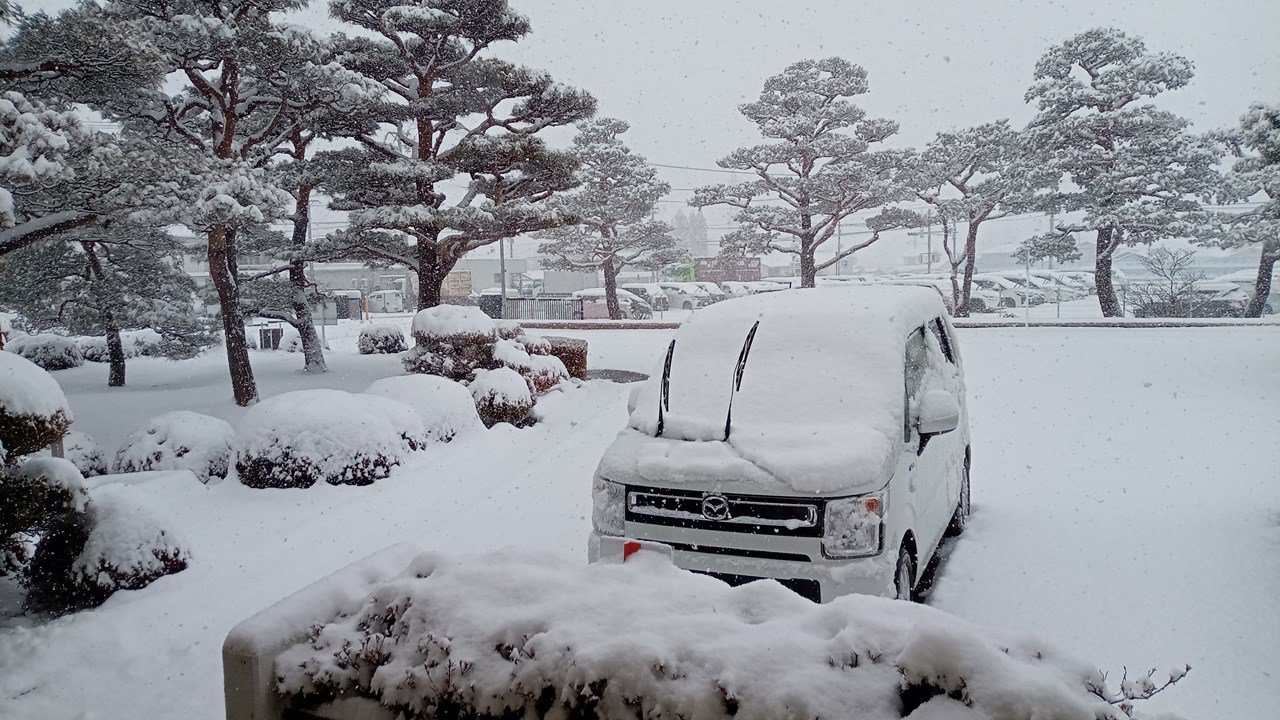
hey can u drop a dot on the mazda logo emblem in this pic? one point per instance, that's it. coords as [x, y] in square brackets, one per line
[715, 507]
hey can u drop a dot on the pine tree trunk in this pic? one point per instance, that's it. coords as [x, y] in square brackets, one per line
[115, 352]
[1102, 275]
[1262, 284]
[611, 289]
[970, 257]
[223, 273]
[433, 268]
[312, 348]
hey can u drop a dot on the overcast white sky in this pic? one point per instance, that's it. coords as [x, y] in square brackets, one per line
[677, 69]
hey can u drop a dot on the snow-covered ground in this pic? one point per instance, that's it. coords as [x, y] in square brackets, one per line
[1125, 507]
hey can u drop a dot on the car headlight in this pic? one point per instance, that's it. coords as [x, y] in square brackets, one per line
[852, 526]
[608, 507]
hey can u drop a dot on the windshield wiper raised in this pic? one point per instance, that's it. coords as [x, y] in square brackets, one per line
[737, 376]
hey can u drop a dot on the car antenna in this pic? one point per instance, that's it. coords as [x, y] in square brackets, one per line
[664, 391]
[737, 376]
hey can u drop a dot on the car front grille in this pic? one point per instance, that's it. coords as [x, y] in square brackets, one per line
[753, 514]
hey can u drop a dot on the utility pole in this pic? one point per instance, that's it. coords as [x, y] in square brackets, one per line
[839, 246]
[928, 248]
[502, 270]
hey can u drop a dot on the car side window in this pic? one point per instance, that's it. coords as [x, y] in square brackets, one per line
[944, 340]
[914, 365]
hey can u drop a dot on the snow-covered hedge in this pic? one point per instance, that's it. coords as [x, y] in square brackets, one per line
[33, 409]
[572, 352]
[85, 453]
[179, 440]
[405, 420]
[462, 343]
[300, 438]
[51, 352]
[446, 407]
[36, 498]
[501, 396]
[385, 339]
[128, 546]
[515, 634]
[93, 348]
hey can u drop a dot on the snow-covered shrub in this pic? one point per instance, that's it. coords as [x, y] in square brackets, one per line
[85, 453]
[142, 342]
[461, 343]
[572, 352]
[517, 634]
[501, 396]
[36, 498]
[445, 406]
[291, 340]
[128, 546]
[94, 349]
[179, 440]
[385, 339]
[51, 352]
[299, 438]
[405, 420]
[33, 410]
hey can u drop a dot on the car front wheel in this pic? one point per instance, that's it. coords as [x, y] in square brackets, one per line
[904, 576]
[688, 305]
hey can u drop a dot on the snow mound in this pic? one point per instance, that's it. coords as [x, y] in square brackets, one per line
[406, 421]
[179, 440]
[446, 407]
[59, 475]
[443, 321]
[33, 409]
[85, 453]
[128, 546]
[51, 352]
[299, 438]
[540, 636]
[384, 339]
[501, 395]
[142, 342]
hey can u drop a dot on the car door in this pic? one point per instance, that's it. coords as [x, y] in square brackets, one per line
[934, 471]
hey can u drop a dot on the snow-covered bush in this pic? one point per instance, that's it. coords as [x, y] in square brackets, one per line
[179, 440]
[515, 634]
[385, 339]
[51, 352]
[36, 498]
[572, 352]
[85, 453]
[94, 348]
[143, 342]
[33, 410]
[461, 343]
[501, 396]
[291, 340]
[405, 420]
[128, 545]
[445, 406]
[300, 438]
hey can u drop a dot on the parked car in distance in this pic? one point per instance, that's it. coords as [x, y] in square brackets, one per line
[833, 457]
[736, 288]
[651, 293]
[715, 291]
[630, 305]
[685, 296]
[386, 301]
[759, 286]
[1055, 288]
[1013, 292]
[981, 299]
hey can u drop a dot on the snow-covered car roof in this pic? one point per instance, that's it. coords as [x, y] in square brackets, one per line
[598, 293]
[820, 404]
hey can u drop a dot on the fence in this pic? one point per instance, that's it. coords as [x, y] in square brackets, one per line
[543, 309]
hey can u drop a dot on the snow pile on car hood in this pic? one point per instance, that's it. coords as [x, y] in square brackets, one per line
[517, 632]
[821, 401]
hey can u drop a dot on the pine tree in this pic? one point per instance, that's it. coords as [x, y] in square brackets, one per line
[1256, 144]
[98, 281]
[613, 205]
[972, 176]
[455, 117]
[817, 171]
[1136, 173]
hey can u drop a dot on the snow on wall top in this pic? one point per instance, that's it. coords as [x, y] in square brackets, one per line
[445, 320]
[821, 401]
[528, 625]
[25, 389]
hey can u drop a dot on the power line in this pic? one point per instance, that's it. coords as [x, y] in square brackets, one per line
[714, 170]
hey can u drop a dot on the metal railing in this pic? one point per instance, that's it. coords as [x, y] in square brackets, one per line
[543, 309]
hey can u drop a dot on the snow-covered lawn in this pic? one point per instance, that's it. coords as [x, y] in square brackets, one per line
[1125, 507]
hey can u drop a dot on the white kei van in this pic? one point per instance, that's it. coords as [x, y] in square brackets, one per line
[817, 437]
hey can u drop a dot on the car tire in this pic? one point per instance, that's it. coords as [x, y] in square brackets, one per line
[688, 305]
[1008, 303]
[977, 305]
[961, 516]
[904, 573]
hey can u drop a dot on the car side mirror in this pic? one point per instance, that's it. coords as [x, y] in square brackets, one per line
[939, 413]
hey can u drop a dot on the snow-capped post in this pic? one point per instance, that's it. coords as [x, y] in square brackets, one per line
[817, 172]
[974, 175]
[451, 112]
[1137, 174]
[1256, 172]
[103, 280]
[613, 206]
